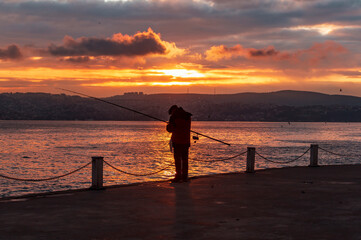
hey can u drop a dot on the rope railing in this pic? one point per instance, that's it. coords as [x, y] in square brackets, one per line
[137, 174]
[282, 162]
[219, 160]
[97, 165]
[45, 179]
[339, 154]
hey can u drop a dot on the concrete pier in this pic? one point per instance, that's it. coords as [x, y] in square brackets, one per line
[288, 203]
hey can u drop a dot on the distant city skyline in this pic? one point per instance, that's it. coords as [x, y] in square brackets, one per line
[106, 48]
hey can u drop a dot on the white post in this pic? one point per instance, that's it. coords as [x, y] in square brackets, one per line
[314, 155]
[97, 173]
[251, 153]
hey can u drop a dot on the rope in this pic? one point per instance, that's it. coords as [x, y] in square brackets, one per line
[338, 154]
[136, 174]
[293, 160]
[45, 179]
[220, 160]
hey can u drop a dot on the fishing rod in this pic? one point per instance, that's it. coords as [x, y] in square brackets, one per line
[135, 111]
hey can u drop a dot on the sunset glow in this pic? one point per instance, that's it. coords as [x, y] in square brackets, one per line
[176, 73]
[179, 46]
[323, 29]
[171, 83]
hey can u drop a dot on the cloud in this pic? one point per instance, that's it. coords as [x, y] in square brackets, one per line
[263, 52]
[280, 36]
[12, 52]
[77, 59]
[353, 74]
[200, 23]
[327, 54]
[140, 44]
[216, 53]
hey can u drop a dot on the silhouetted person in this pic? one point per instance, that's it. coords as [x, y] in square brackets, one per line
[180, 127]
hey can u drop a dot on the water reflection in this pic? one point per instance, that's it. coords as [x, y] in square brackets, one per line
[40, 149]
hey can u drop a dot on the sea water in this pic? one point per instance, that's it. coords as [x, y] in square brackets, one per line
[44, 149]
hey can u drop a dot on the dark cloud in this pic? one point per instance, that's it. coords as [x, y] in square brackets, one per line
[263, 52]
[77, 59]
[12, 52]
[216, 53]
[187, 22]
[140, 44]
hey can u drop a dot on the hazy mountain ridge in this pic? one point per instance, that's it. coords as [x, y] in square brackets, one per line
[286, 98]
[274, 106]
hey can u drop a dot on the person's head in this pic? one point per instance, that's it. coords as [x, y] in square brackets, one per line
[172, 109]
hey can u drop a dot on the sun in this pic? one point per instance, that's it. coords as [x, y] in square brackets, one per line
[178, 73]
[170, 84]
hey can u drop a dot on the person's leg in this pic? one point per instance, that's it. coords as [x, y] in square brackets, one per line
[178, 163]
[185, 151]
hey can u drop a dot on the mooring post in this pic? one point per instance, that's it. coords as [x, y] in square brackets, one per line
[97, 173]
[251, 154]
[314, 155]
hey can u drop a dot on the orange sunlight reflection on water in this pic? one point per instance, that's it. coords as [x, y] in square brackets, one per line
[41, 149]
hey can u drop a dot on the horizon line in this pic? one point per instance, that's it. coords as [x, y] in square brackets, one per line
[141, 93]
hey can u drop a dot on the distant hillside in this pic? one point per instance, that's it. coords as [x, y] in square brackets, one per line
[273, 106]
[284, 98]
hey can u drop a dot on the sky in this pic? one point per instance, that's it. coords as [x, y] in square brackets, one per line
[109, 47]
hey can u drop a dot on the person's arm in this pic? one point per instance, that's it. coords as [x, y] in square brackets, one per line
[171, 125]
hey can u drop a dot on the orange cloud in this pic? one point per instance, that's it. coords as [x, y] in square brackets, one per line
[216, 53]
[140, 44]
[328, 53]
[222, 52]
